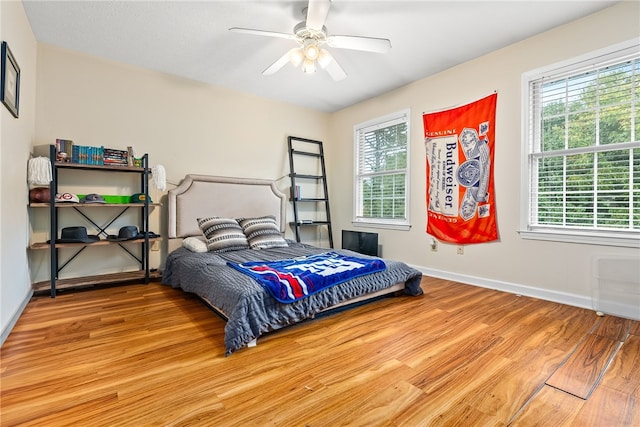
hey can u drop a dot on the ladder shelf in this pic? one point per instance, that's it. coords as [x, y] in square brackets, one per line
[311, 173]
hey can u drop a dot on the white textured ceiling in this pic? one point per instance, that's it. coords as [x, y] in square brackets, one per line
[191, 39]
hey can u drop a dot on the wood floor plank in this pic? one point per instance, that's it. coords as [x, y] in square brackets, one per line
[635, 328]
[459, 355]
[623, 374]
[613, 327]
[503, 394]
[334, 402]
[383, 406]
[550, 407]
[442, 400]
[76, 413]
[608, 407]
[583, 369]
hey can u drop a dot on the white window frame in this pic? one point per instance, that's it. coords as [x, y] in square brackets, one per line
[590, 61]
[403, 116]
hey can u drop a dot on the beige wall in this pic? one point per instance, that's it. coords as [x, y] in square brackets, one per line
[186, 126]
[552, 270]
[194, 128]
[16, 137]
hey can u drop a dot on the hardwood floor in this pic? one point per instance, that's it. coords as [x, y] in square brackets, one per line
[149, 355]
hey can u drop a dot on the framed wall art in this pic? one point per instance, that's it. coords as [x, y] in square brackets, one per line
[10, 84]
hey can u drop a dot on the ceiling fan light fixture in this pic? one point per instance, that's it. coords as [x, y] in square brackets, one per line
[311, 49]
[324, 58]
[296, 57]
[309, 66]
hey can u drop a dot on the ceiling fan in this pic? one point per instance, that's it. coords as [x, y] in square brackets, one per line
[311, 35]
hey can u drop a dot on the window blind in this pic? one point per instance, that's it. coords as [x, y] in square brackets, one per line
[584, 148]
[382, 170]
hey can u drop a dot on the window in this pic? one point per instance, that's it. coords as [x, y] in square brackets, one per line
[581, 126]
[382, 171]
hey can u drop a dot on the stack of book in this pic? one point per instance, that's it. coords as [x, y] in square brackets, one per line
[86, 155]
[114, 157]
[66, 151]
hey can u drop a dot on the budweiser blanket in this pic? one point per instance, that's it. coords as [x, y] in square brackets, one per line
[292, 279]
[459, 146]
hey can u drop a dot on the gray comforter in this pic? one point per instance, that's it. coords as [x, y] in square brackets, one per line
[249, 309]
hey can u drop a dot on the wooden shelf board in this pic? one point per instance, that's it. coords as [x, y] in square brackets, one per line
[121, 168]
[103, 242]
[101, 279]
[92, 205]
[301, 223]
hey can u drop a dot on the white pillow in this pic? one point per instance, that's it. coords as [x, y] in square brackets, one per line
[195, 244]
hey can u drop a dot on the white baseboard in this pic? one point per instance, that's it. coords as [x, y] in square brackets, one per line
[7, 330]
[514, 288]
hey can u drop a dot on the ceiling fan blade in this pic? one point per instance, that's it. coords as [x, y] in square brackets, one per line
[335, 71]
[262, 33]
[280, 62]
[317, 14]
[367, 44]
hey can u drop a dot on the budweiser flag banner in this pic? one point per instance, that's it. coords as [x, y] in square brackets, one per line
[459, 148]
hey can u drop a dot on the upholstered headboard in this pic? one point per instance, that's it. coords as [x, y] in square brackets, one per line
[200, 196]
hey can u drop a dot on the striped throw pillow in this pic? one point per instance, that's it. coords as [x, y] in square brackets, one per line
[262, 233]
[223, 234]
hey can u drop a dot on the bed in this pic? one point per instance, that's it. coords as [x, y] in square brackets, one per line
[249, 309]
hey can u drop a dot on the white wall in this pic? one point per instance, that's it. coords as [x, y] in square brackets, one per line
[557, 271]
[15, 146]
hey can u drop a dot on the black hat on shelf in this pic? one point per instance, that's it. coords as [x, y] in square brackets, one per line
[128, 232]
[76, 235]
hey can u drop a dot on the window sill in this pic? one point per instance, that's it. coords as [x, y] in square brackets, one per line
[610, 239]
[388, 226]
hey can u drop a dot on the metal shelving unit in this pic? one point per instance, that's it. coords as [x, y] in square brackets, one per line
[144, 274]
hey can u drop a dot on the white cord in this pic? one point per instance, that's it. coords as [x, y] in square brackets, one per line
[39, 171]
[159, 178]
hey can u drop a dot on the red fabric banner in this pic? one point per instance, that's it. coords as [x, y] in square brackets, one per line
[459, 147]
